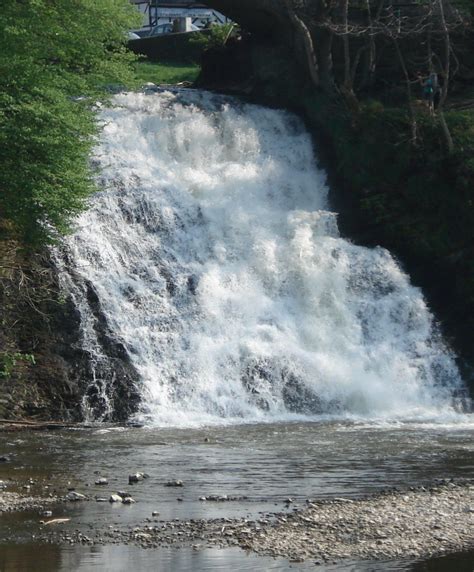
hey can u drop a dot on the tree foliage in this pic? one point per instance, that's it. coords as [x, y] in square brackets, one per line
[215, 37]
[360, 47]
[55, 55]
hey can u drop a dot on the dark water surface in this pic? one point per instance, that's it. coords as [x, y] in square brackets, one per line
[261, 465]
[45, 558]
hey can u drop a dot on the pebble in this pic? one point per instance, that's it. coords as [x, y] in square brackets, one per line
[74, 496]
[115, 498]
[102, 481]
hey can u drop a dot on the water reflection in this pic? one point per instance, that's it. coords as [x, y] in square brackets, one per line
[48, 558]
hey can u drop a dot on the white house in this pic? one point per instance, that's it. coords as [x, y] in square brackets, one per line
[158, 13]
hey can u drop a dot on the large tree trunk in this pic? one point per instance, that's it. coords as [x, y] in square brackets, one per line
[347, 86]
[345, 42]
[324, 48]
[413, 122]
[446, 133]
[446, 76]
[304, 34]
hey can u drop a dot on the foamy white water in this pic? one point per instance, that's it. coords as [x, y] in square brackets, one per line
[219, 266]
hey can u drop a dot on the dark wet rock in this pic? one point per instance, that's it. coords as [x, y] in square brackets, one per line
[64, 371]
[176, 483]
[5, 459]
[128, 500]
[299, 398]
[102, 481]
[136, 478]
[150, 87]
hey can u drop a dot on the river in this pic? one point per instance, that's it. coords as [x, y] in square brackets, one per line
[259, 466]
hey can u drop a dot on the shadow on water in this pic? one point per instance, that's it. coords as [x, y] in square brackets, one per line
[49, 558]
[463, 562]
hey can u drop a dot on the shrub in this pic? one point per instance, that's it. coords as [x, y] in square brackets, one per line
[54, 56]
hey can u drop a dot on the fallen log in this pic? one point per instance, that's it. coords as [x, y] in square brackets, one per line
[10, 424]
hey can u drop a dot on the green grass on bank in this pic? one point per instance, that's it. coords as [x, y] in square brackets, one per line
[166, 72]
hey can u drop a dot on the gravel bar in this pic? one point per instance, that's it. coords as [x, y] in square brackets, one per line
[419, 522]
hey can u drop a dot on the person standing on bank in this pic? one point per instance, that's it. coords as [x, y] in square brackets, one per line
[430, 88]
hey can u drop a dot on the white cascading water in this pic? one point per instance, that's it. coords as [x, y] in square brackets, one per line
[219, 267]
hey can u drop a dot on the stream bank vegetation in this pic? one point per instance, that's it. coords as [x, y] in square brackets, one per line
[166, 72]
[57, 59]
[54, 57]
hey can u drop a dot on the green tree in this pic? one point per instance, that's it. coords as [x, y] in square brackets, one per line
[216, 36]
[56, 57]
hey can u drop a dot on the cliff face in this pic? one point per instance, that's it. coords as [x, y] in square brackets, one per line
[45, 372]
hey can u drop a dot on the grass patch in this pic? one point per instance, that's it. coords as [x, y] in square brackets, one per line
[166, 72]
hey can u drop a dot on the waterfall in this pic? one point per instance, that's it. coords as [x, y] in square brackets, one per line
[219, 268]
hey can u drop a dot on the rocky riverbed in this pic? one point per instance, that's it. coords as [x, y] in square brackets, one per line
[11, 502]
[394, 524]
